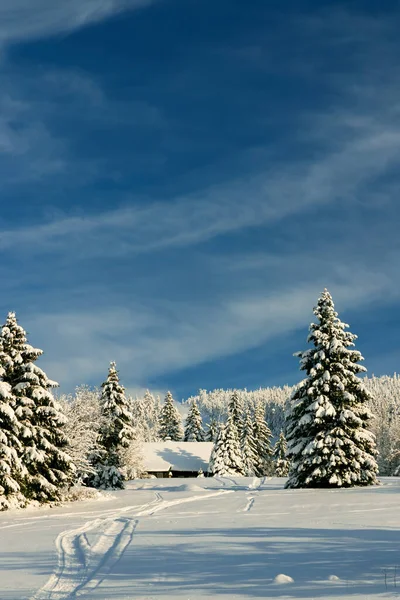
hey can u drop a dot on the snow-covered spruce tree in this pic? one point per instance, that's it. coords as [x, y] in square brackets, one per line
[262, 437]
[212, 430]
[235, 410]
[329, 444]
[170, 421]
[115, 434]
[281, 462]
[248, 446]
[48, 469]
[194, 431]
[226, 456]
[11, 468]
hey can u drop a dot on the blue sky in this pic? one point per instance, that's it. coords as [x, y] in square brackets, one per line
[180, 179]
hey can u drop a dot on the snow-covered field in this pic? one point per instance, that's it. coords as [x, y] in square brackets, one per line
[207, 538]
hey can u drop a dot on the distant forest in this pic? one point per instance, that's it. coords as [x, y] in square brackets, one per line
[385, 405]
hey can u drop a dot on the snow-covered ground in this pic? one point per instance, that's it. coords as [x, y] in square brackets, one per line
[207, 538]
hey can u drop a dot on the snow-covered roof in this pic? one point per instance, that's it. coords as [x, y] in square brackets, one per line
[181, 456]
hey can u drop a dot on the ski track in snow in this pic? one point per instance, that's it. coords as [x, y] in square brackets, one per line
[81, 566]
[255, 487]
[249, 504]
[32, 520]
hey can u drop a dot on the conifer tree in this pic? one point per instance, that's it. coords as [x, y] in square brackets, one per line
[235, 410]
[11, 468]
[212, 430]
[248, 446]
[47, 469]
[115, 435]
[327, 427]
[194, 431]
[281, 462]
[170, 421]
[226, 456]
[262, 438]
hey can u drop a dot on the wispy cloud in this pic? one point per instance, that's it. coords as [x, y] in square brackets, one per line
[35, 143]
[149, 341]
[30, 19]
[28, 148]
[344, 173]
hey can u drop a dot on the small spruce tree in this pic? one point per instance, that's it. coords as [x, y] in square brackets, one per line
[194, 431]
[226, 457]
[281, 462]
[170, 421]
[262, 438]
[248, 446]
[212, 430]
[115, 434]
[329, 443]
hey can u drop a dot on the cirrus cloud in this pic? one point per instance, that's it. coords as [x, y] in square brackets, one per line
[32, 19]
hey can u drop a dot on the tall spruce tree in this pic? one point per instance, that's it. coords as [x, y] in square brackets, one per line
[170, 421]
[248, 446]
[329, 443]
[194, 431]
[115, 434]
[235, 410]
[281, 462]
[262, 438]
[226, 456]
[47, 469]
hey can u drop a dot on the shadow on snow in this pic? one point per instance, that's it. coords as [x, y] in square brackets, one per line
[245, 561]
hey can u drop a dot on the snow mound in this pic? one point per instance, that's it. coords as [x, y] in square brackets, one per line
[82, 493]
[333, 578]
[282, 579]
[189, 487]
